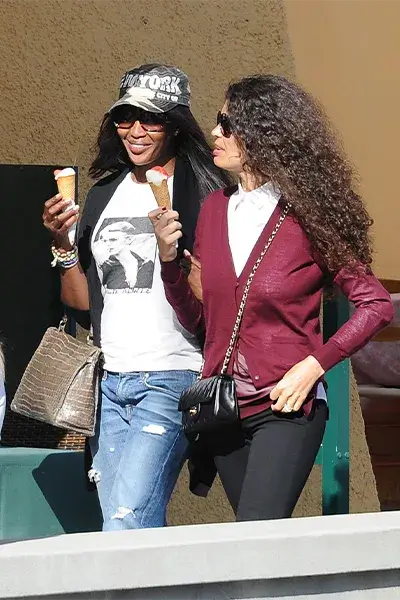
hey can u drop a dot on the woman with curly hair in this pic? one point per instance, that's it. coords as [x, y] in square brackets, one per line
[292, 172]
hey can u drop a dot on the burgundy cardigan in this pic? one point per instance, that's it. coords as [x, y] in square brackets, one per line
[281, 323]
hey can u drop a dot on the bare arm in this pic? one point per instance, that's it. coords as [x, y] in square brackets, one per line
[74, 288]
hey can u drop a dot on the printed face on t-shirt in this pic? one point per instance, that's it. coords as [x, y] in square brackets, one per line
[125, 250]
[116, 237]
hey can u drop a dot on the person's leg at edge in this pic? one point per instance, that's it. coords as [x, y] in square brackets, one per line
[153, 454]
[282, 453]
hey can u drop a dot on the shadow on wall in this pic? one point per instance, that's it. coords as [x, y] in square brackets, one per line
[62, 480]
[44, 493]
[341, 477]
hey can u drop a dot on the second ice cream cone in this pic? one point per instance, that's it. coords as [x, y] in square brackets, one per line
[161, 194]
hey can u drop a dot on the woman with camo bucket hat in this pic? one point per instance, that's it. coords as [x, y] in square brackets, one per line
[149, 358]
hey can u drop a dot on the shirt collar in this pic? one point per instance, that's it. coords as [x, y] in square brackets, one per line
[261, 197]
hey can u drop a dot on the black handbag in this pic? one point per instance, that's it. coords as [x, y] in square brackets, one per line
[211, 403]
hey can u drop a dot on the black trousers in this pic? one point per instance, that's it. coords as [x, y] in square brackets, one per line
[265, 464]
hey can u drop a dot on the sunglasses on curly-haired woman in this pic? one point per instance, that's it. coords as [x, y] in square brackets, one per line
[224, 123]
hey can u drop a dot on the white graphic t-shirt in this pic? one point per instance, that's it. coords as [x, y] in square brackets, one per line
[139, 328]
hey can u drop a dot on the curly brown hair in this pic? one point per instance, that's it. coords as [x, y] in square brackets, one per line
[286, 137]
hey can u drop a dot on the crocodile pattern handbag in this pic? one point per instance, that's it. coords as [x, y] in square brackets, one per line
[60, 385]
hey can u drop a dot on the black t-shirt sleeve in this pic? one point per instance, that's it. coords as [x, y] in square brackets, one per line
[83, 242]
[84, 234]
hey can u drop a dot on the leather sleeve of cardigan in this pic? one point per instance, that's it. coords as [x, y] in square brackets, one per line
[374, 311]
[187, 307]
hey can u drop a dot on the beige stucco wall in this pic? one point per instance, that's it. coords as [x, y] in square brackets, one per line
[60, 68]
[347, 54]
[62, 62]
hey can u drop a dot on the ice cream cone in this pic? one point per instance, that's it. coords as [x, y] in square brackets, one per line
[66, 187]
[157, 178]
[65, 180]
[161, 194]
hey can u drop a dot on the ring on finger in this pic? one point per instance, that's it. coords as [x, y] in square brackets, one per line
[158, 217]
[287, 408]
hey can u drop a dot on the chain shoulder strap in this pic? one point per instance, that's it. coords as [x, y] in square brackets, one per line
[247, 288]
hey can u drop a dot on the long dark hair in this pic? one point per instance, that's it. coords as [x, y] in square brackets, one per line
[286, 137]
[190, 144]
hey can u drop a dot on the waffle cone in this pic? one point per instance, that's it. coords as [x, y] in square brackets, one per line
[66, 187]
[161, 194]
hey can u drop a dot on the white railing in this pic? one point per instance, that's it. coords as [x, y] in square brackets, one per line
[349, 556]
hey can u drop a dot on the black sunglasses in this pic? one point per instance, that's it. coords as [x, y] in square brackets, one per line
[126, 119]
[225, 124]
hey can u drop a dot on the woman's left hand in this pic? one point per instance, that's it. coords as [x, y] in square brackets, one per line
[292, 390]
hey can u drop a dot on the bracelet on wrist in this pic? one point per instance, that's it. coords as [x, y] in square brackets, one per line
[65, 259]
[68, 264]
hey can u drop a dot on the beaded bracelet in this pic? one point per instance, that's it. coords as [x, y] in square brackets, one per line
[69, 263]
[64, 258]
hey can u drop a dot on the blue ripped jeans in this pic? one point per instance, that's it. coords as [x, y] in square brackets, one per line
[139, 448]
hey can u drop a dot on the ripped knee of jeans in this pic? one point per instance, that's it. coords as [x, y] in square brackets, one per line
[155, 429]
[122, 512]
[94, 475]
